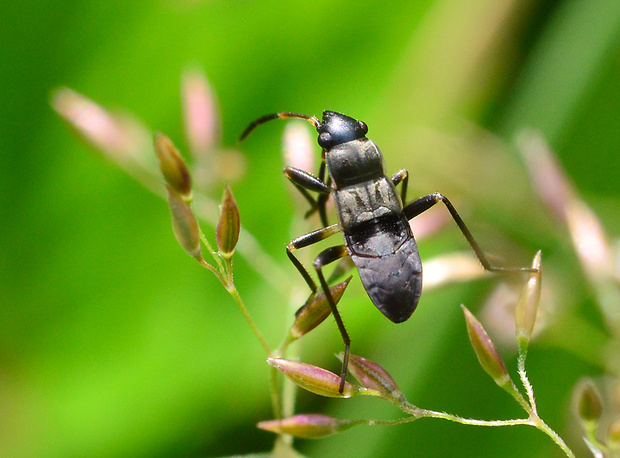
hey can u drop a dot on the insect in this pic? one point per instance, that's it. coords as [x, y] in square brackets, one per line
[371, 217]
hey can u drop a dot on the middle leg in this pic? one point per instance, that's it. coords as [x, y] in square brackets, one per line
[324, 258]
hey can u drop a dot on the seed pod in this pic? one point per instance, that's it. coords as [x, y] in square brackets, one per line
[173, 167]
[229, 225]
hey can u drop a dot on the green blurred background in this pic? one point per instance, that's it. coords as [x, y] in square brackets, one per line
[113, 342]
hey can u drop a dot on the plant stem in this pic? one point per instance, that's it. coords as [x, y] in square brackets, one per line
[248, 246]
[232, 290]
[206, 265]
[542, 426]
[526, 382]
[417, 413]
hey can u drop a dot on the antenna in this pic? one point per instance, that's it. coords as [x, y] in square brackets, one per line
[281, 115]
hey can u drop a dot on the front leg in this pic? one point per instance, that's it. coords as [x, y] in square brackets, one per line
[305, 182]
[401, 176]
[304, 241]
[325, 257]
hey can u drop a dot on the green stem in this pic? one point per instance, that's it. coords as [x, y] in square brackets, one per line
[276, 398]
[590, 429]
[206, 265]
[511, 389]
[542, 426]
[214, 254]
[524, 380]
[248, 246]
[416, 413]
[232, 290]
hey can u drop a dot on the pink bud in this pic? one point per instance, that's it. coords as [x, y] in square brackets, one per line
[451, 268]
[299, 149]
[547, 175]
[371, 375]
[313, 378]
[199, 107]
[308, 426]
[590, 241]
[121, 138]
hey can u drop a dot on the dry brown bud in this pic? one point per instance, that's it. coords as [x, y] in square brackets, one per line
[315, 310]
[184, 224]
[173, 167]
[229, 224]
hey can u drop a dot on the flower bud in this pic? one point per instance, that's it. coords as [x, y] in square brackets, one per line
[589, 403]
[451, 268]
[308, 426]
[200, 113]
[371, 375]
[613, 433]
[527, 306]
[298, 146]
[487, 353]
[315, 310]
[228, 226]
[313, 378]
[173, 167]
[121, 138]
[184, 224]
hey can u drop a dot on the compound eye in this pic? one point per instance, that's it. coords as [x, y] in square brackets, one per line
[325, 140]
[363, 126]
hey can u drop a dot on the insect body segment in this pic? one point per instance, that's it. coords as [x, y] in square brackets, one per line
[376, 231]
[371, 216]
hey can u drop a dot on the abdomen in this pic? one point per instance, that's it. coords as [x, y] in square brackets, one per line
[386, 256]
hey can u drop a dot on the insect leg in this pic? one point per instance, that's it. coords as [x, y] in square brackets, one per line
[322, 206]
[305, 182]
[325, 257]
[304, 241]
[424, 203]
[401, 176]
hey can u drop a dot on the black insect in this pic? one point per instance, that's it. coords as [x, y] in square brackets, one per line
[371, 216]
